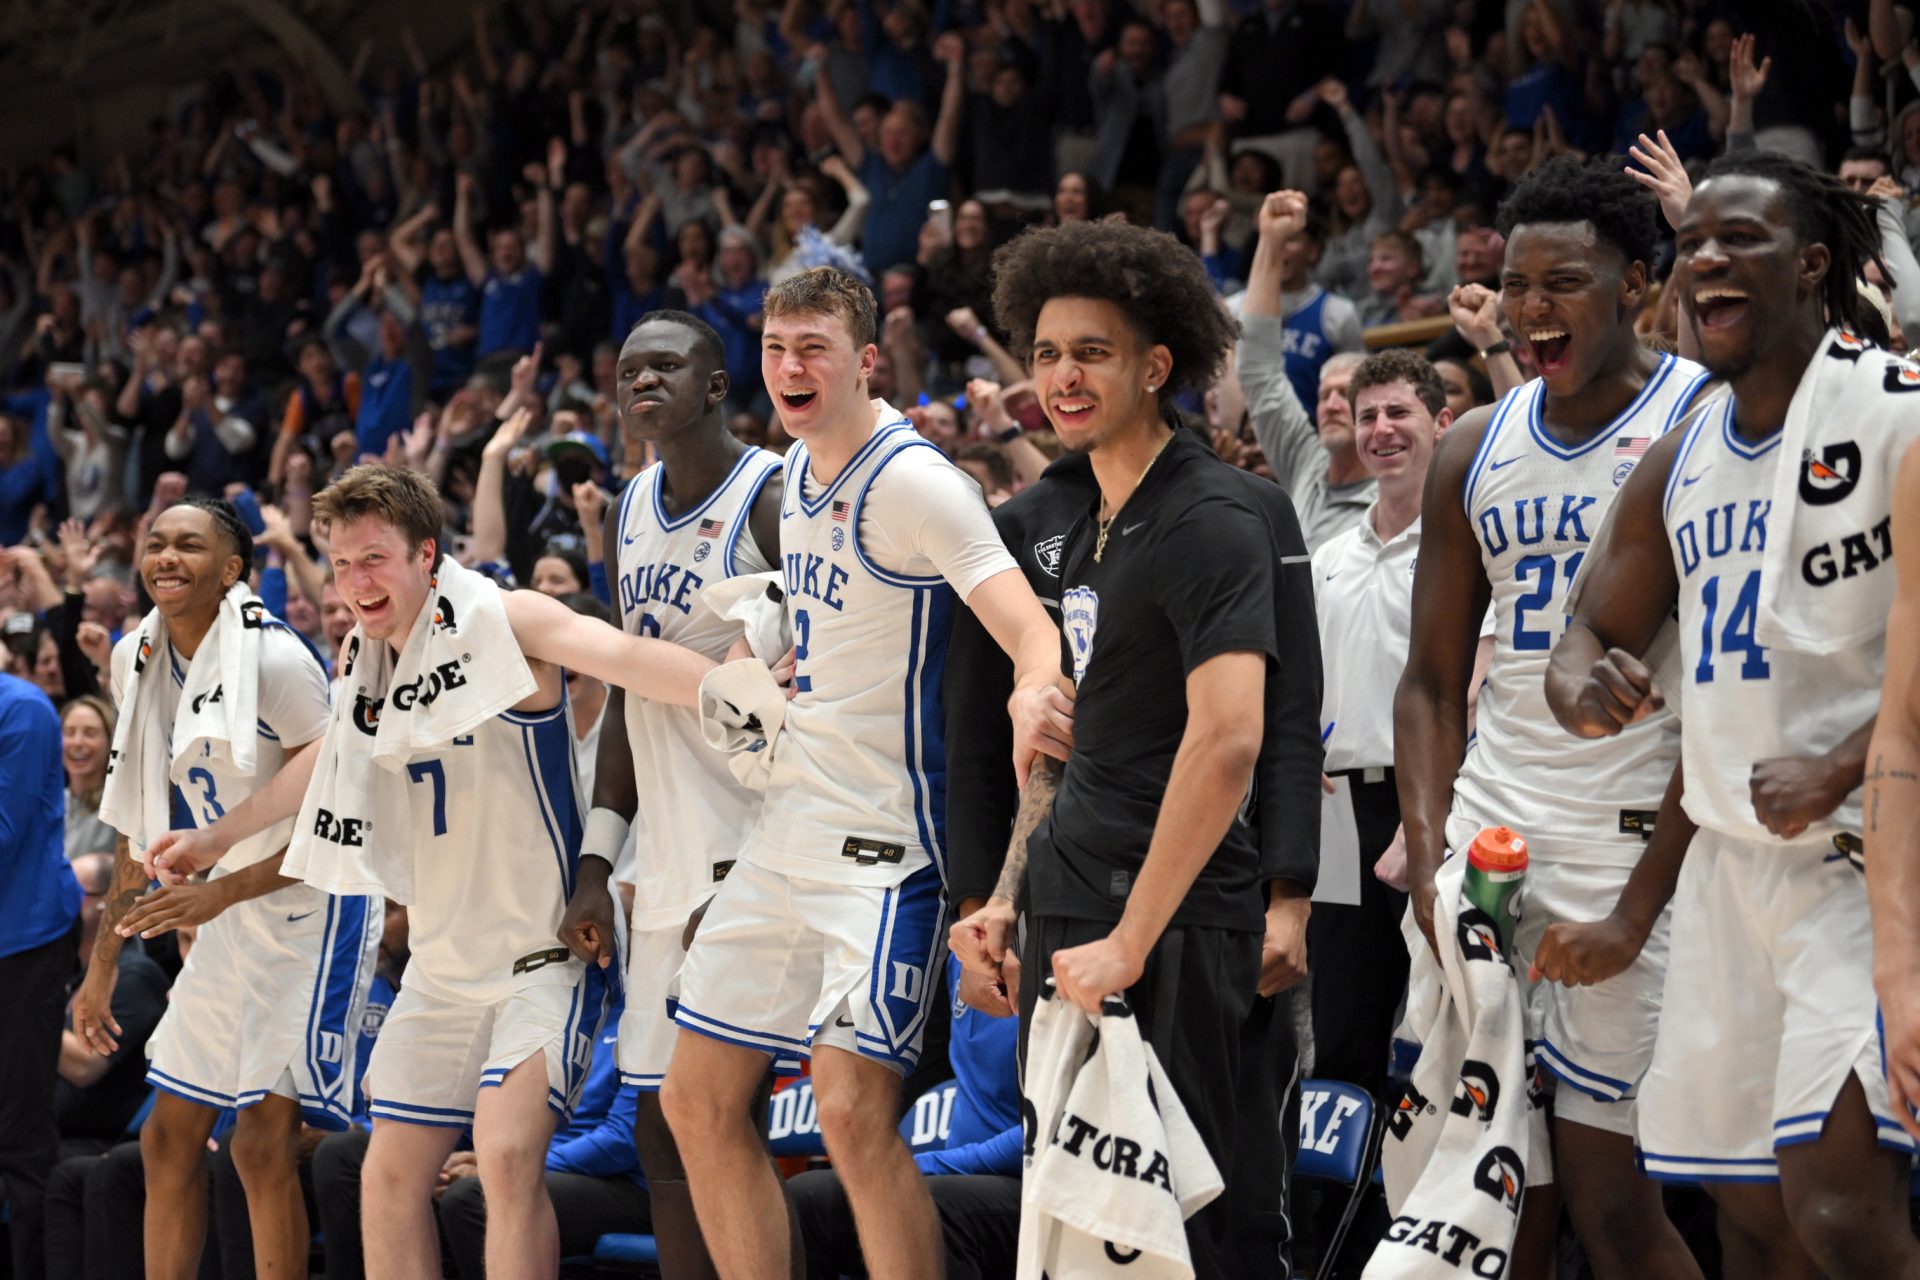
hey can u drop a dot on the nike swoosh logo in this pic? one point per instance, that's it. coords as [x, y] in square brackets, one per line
[1130, 528]
[1690, 479]
[293, 919]
[1330, 577]
[1495, 466]
[628, 540]
[843, 1022]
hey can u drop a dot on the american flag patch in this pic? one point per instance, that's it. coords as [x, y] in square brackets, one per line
[1631, 447]
[840, 510]
[711, 528]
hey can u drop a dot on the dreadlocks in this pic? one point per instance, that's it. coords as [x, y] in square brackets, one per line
[231, 526]
[1823, 210]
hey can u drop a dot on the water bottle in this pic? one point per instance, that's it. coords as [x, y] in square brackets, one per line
[1496, 872]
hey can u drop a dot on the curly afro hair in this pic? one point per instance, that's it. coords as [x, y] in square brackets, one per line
[1157, 282]
[1623, 213]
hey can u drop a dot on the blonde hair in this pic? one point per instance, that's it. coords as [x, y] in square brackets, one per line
[90, 798]
[403, 498]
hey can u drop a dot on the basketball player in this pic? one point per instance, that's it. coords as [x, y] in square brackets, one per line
[826, 937]
[494, 1024]
[1515, 493]
[1767, 1084]
[265, 1014]
[710, 508]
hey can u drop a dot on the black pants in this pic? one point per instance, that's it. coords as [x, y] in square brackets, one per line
[35, 982]
[1192, 1003]
[95, 1215]
[229, 1229]
[1260, 1228]
[1358, 957]
[979, 1221]
[336, 1197]
[587, 1208]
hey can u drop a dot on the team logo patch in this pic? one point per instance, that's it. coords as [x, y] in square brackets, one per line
[1479, 1093]
[1080, 615]
[366, 713]
[702, 551]
[253, 615]
[1503, 1176]
[1620, 473]
[1047, 552]
[1830, 477]
[839, 539]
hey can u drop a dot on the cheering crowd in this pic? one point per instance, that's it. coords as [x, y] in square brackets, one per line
[1393, 241]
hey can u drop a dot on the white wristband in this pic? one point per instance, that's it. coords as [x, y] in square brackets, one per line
[605, 835]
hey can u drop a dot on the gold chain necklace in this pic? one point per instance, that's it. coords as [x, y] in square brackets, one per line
[1106, 525]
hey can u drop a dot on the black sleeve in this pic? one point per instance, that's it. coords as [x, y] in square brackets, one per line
[981, 796]
[75, 667]
[1287, 778]
[522, 502]
[1213, 577]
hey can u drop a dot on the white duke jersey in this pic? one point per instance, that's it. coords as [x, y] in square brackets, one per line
[857, 791]
[693, 815]
[292, 711]
[496, 834]
[1746, 702]
[1534, 505]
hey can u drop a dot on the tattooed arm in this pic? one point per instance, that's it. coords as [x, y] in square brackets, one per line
[981, 938]
[93, 1003]
[1893, 818]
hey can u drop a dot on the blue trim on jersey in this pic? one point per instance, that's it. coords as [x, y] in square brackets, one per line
[1536, 423]
[426, 1117]
[191, 1092]
[1589, 1082]
[1685, 402]
[925, 757]
[913, 915]
[813, 507]
[335, 993]
[1740, 447]
[746, 513]
[559, 807]
[266, 731]
[270, 623]
[660, 511]
[784, 1050]
[646, 1084]
[1687, 442]
[860, 500]
[1500, 412]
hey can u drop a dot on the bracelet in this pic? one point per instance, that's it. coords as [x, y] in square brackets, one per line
[1011, 434]
[1499, 348]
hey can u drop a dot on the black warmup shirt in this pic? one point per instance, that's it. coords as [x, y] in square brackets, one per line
[1189, 574]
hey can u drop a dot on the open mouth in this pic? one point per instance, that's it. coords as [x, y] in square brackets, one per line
[80, 757]
[167, 584]
[798, 399]
[1719, 307]
[1072, 410]
[372, 607]
[1389, 451]
[1549, 347]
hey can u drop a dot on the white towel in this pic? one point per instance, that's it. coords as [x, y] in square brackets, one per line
[1114, 1167]
[1848, 425]
[217, 717]
[1462, 1142]
[742, 712]
[756, 601]
[460, 668]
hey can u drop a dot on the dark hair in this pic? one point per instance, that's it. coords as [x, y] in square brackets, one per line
[713, 351]
[1622, 212]
[1398, 364]
[1158, 284]
[993, 458]
[1878, 155]
[587, 604]
[576, 562]
[1822, 210]
[1477, 382]
[230, 525]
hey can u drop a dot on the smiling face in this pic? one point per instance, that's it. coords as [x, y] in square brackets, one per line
[970, 225]
[796, 210]
[335, 618]
[1333, 412]
[1390, 269]
[1395, 433]
[1567, 294]
[84, 742]
[187, 564]
[553, 576]
[1091, 371]
[816, 373]
[383, 581]
[663, 383]
[1736, 244]
[1350, 194]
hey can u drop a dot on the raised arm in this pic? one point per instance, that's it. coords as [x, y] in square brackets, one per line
[489, 486]
[832, 114]
[471, 258]
[405, 240]
[1450, 590]
[1280, 422]
[952, 51]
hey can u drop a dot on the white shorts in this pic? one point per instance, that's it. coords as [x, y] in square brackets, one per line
[434, 1055]
[647, 1031]
[782, 964]
[1595, 1042]
[1771, 1007]
[270, 1001]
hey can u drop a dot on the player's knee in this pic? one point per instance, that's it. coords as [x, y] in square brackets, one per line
[689, 1108]
[387, 1181]
[1843, 1233]
[169, 1146]
[262, 1153]
[853, 1124]
[512, 1161]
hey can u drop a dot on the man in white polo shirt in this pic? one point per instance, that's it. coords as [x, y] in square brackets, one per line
[1363, 594]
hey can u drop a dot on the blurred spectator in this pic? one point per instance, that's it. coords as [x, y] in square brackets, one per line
[86, 734]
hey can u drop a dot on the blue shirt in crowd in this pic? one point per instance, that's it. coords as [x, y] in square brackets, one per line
[446, 305]
[899, 207]
[39, 898]
[510, 311]
[386, 402]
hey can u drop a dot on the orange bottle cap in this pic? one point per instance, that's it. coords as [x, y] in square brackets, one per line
[1499, 849]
